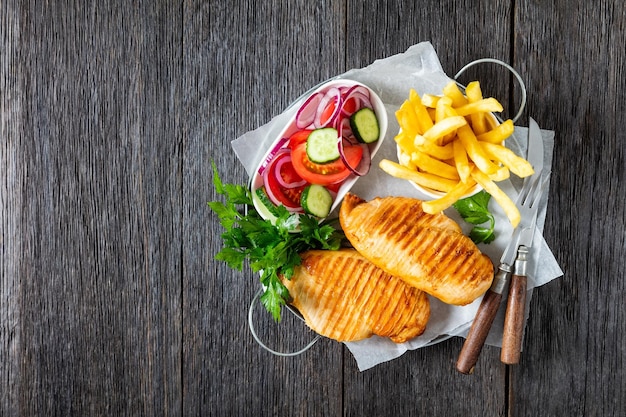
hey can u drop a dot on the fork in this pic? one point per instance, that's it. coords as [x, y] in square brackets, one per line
[516, 303]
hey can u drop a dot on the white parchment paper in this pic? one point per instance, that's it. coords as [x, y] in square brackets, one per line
[392, 78]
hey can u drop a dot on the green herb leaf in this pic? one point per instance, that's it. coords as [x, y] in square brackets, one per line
[474, 210]
[271, 249]
[482, 234]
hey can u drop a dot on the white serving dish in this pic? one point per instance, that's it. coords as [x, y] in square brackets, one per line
[290, 128]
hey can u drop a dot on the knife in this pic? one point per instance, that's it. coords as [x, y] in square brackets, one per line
[516, 303]
[491, 300]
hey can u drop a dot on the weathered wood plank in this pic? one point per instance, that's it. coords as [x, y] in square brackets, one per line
[97, 145]
[11, 177]
[573, 363]
[244, 63]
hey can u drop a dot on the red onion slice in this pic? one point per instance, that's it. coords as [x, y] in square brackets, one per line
[332, 95]
[363, 100]
[345, 130]
[307, 112]
[280, 161]
[360, 90]
[360, 93]
[364, 164]
[269, 191]
[345, 111]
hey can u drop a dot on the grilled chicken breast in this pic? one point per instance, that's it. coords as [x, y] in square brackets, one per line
[427, 251]
[343, 296]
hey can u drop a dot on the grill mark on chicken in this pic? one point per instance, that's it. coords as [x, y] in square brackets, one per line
[348, 266]
[332, 289]
[363, 296]
[384, 310]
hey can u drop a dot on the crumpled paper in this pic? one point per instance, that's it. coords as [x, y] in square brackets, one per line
[392, 78]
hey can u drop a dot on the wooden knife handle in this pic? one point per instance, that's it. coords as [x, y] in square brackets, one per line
[478, 332]
[514, 321]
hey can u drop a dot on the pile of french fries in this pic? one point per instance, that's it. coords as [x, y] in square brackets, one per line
[451, 143]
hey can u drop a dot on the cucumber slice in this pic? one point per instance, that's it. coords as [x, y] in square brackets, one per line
[316, 200]
[265, 200]
[364, 124]
[321, 145]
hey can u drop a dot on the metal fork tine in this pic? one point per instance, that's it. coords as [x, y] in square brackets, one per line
[536, 191]
[529, 191]
[540, 189]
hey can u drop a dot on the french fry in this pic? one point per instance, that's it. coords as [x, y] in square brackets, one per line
[440, 204]
[431, 181]
[501, 174]
[405, 142]
[424, 121]
[443, 109]
[461, 161]
[442, 128]
[407, 119]
[475, 151]
[430, 100]
[498, 134]
[405, 160]
[509, 207]
[434, 166]
[519, 166]
[475, 94]
[440, 152]
[452, 90]
[486, 105]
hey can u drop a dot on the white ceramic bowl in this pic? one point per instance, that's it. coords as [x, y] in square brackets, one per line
[290, 128]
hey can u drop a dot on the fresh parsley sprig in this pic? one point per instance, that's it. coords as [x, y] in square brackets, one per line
[474, 210]
[271, 249]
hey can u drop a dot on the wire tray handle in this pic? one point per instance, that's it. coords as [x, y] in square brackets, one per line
[507, 66]
[262, 344]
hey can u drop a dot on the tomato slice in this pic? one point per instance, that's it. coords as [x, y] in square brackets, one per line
[299, 137]
[350, 106]
[289, 197]
[328, 112]
[288, 173]
[324, 174]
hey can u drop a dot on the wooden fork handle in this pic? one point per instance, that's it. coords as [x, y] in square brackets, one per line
[478, 332]
[514, 320]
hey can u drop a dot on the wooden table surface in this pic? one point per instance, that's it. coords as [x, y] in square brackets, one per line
[110, 115]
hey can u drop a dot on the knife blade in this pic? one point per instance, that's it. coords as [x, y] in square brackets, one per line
[491, 300]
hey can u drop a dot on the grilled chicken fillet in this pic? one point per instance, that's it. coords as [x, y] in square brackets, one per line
[343, 296]
[427, 251]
